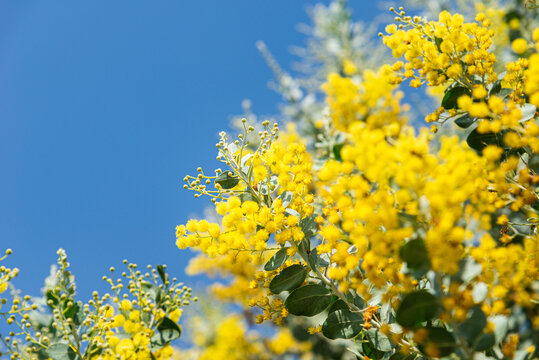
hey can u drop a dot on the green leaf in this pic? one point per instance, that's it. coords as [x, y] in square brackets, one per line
[503, 93]
[495, 88]
[479, 292]
[438, 41]
[247, 196]
[274, 180]
[378, 340]
[338, 305]
[479, 141]
[337, 151]
[501, 325]
[151, 289]
[465, 121]
[168, 330]
[533, 163]
[474, 325]
[370, 351]
[227, 180]
[304, 248]
[60, 351]
[414, 252]
[292, 212]
[162, 273]
[443, 339]
[75, 312]
[417, 307]
[50, 295]
[276, 260]
[468, 270]
[286, 198]
[263, 188]
[342, 324]
[288, 279]
[315, 260]
[528, 112]
[308, 300]
[309, 226]
[451, 96]
[485, 342]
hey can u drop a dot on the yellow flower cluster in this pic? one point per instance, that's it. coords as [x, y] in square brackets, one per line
[389, 210]
[372, 100]
[137, 344]
[229, 338]
[128, 333]
[136, 324]
[241, 267]
[248, 225]
[532, 76]
[377, 185]
[443, 50]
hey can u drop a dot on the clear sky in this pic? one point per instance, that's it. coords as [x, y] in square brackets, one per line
[106, 105]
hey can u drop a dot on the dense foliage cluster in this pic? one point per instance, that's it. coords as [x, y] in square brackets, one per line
[355, 232]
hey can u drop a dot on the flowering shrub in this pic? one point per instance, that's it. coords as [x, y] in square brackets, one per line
[405, 242]
[355, 232]
[138, 323]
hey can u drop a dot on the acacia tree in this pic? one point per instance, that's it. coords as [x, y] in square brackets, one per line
[404, 241]
[354, 231]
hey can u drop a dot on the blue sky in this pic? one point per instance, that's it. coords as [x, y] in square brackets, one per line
[106, 105]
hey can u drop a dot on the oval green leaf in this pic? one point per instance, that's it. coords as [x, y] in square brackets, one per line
[379, 341]
[309, 226]
[288, 279]
[465, 121]
[417, 307]
[485, 342]
[414, 252]
[286, 198]
[276, 260]
[162, 273]
[451, 96]
[338, 305]
[443, 339]
[308, 300]
[168, 330]
[247, 196]
[478, 141]
[342, 324]
[473, 326]
[227, 180]
[528, 112]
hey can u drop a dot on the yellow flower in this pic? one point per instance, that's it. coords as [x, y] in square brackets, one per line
[519, 46]
[492, 152]
[349, 68]
[535, 35]
[118, 321]
[175, 315]
[479, 110]
[479, 92]
[126, 305]
[125, 348]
